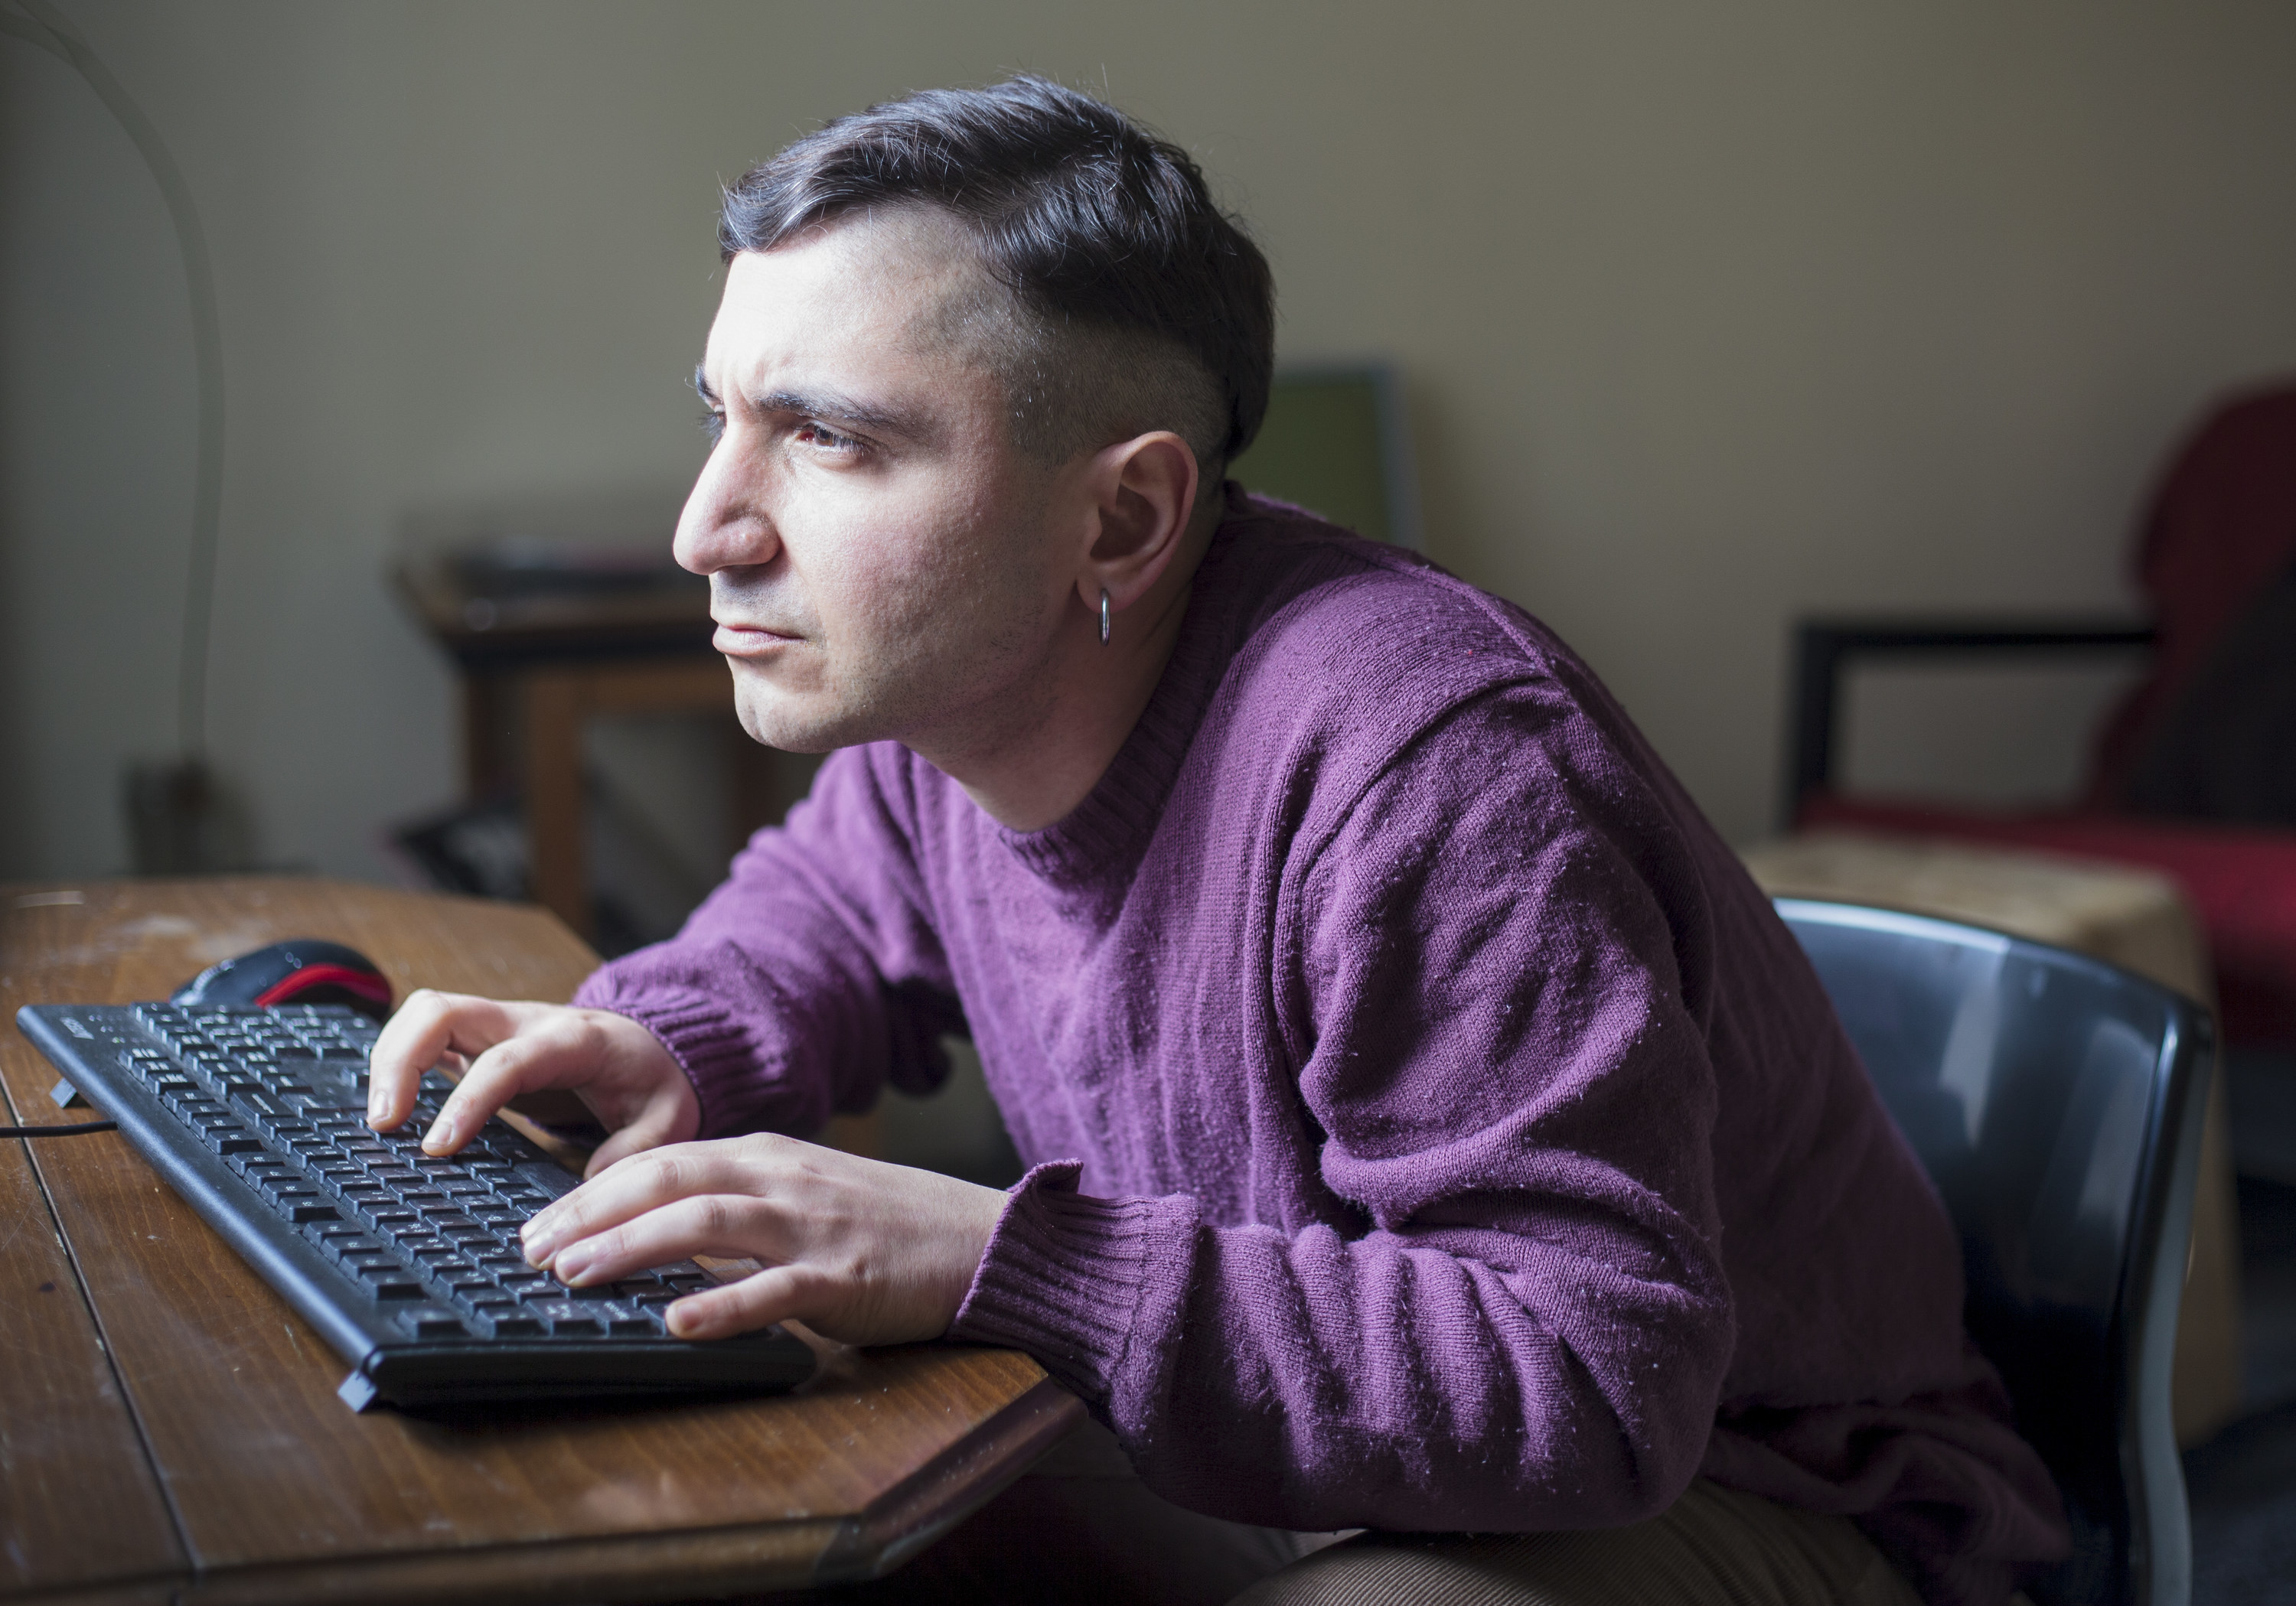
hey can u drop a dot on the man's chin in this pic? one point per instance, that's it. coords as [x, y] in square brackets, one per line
[776, 720]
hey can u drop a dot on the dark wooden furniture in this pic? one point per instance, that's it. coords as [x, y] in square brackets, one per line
[534, 670]
[1825, 649]
[170, 1426]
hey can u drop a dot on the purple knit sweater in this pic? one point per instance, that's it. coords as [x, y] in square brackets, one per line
[1433, 1127]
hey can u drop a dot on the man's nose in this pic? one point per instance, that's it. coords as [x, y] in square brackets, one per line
[725, 524]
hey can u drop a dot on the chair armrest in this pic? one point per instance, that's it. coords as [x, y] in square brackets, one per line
[1823, 647]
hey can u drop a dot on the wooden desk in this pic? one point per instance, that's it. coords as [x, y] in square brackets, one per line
[169, 1428]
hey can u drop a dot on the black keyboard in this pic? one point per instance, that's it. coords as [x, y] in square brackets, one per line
[408, 1265]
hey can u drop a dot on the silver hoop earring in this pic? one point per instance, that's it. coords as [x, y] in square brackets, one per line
[1104, 616]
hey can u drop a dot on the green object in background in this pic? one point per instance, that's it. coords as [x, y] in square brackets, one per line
[1334, 443]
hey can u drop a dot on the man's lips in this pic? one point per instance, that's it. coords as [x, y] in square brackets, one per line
[748, 640]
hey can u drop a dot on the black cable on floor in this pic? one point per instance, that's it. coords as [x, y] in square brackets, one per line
[60, 1129]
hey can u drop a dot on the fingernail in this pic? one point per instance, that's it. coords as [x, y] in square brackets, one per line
[440, 1137]
[569, 1267]
[687, 1324]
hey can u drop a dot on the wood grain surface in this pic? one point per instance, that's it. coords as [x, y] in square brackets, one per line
[282, 1494]
[69, 1451]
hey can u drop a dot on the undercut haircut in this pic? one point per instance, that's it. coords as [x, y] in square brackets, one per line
[1133, 302]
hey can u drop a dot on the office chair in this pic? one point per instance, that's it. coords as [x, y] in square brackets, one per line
[2057, 1103]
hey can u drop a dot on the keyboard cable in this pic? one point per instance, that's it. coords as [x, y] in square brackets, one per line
[60, 1129]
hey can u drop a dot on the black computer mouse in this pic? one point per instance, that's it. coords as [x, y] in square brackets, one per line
[302, 969]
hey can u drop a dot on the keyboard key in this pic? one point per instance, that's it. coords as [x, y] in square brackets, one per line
[255, 1101]
[567, 1320]
[548, 1178]
[336, 1237]
[433, 1321]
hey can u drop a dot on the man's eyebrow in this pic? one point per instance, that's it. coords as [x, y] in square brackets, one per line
[843, 409]
[828, 405]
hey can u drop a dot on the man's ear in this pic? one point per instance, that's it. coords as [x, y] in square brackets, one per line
[1144, 499]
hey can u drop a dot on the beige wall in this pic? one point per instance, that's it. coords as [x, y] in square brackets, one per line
[1711, 315]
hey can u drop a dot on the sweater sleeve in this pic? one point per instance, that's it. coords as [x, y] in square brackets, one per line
[812, 977]
[1487, 979]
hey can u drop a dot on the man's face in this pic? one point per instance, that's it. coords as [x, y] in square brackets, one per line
[883, 561]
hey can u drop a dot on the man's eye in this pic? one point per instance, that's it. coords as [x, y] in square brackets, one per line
[822, 436]
[713, 425]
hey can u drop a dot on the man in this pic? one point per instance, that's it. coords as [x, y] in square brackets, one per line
[1434, 1132]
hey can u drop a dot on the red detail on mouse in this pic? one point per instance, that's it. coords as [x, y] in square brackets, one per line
[301, 970]
[368, 984]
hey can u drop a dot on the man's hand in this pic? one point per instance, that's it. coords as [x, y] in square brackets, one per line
[860, 1251]
[620, 1069]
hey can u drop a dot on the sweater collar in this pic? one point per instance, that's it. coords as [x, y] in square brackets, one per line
[1119, 814]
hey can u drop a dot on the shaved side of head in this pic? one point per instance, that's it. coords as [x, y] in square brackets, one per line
[1114, 297]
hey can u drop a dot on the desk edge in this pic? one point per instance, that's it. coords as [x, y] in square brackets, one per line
[920, 1510]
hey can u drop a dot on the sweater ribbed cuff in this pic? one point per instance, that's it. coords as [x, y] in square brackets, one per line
[1063, 1278]
[705, 1038]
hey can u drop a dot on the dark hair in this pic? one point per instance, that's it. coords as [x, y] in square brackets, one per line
[1095, 226]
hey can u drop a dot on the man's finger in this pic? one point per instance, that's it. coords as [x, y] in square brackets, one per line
[515, 1064]
[653, 1128]
[775, 1294]
[705, 1224]
[634, 1184]
[429, 1024]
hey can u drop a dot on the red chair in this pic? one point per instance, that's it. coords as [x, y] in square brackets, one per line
[2195, 774]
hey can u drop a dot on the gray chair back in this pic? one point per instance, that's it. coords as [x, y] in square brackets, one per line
[2056, 1102]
